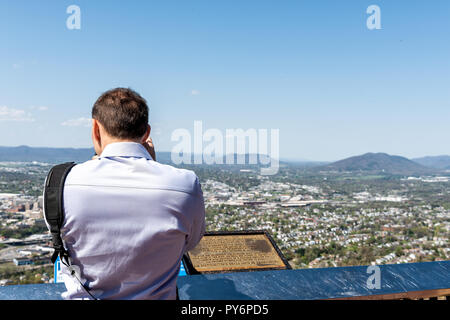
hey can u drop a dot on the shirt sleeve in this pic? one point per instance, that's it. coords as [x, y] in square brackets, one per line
[198, 222]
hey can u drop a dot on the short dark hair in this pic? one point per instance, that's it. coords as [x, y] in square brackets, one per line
[122, 112]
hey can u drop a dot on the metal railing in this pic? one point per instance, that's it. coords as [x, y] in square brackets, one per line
[425, 280]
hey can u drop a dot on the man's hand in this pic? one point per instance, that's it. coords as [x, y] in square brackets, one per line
[148, 144]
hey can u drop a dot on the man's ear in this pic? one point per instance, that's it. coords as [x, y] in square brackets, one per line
[147, 133]
[96, 132]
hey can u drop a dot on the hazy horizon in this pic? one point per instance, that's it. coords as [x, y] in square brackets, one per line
[280, 158]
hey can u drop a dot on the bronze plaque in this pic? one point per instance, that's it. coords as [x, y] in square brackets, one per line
[235, 251]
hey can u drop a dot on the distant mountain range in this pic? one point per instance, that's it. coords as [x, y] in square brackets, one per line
[377, 163]
[59, 155]
[438, 162]
[48, 155]
[369, 162]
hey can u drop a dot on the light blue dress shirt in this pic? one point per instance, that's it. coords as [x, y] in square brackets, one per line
[128, 221]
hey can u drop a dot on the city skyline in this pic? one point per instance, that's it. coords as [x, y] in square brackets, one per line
[332, 87]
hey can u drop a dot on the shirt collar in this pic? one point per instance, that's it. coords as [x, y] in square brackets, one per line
[125, 149]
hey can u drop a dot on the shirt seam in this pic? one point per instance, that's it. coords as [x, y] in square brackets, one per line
[131, 187]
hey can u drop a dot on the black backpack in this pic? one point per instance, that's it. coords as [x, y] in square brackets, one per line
[54, 214]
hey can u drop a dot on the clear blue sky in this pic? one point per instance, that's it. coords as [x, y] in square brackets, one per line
[309, 68]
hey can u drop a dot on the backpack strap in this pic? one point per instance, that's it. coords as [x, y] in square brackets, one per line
[54, 215]
[54, 207]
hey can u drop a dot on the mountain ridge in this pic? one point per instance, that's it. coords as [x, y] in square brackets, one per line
[377, 163]
[437, 162]
[368, 162]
